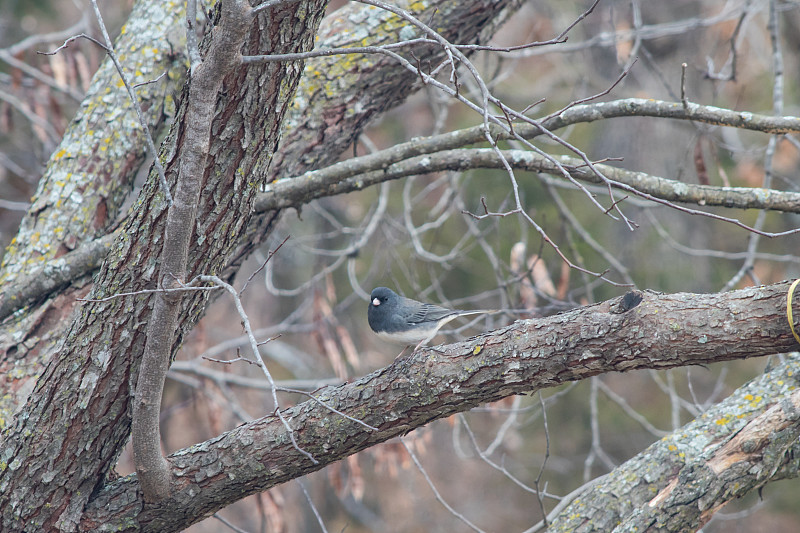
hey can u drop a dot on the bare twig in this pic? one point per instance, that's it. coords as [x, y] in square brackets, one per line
[436, 493]
[565, 501]
[263, 264]
[36, 74]
[777, 108]
[328, 407]
[646, 32]
[191, 36]
[45, 38]
[538, 480]
[734, 54]
[148, 82]
[630, 411]
[191, 367]
[684, 100]
[259, 361]
[74, 38]
[500, 468]
[191, 286]
[32, 117]
[311, 504]
[228, 523]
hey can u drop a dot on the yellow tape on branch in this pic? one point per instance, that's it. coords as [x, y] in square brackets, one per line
[789, 296]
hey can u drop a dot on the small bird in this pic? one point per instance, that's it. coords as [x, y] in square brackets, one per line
[401, 320]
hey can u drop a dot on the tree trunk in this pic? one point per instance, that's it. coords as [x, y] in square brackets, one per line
[69, 434]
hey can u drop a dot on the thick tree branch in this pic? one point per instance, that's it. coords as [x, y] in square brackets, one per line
[663, 331]
[586, 113]
[349, 176]
[735, 447]
[745, 461]
[437, 153]
[205, 83]
[54, 275]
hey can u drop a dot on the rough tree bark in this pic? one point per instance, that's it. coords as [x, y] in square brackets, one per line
[222, 56]
[663, 331]
[69, 434]
[678, 482]
[81, 192]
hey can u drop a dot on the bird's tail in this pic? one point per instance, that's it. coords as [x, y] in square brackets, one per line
[478, 312]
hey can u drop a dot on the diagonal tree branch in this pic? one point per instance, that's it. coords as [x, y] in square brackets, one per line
[361, 173]
[663, 331]
[751, 439]
[743, 461]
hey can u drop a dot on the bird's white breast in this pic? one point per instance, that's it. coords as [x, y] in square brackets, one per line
[404, 337]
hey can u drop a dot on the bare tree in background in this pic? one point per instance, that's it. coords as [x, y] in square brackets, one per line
[540, 205]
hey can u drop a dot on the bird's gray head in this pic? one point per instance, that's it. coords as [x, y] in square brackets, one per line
[382, 296]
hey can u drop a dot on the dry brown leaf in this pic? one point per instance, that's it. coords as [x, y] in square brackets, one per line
[541, 277]
[699, 163]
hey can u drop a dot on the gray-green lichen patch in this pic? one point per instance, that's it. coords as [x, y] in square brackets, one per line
[89, 175]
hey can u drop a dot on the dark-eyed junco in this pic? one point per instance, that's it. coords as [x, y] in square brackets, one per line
[401, 320]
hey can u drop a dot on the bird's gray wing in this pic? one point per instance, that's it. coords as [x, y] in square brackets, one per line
[429, 313]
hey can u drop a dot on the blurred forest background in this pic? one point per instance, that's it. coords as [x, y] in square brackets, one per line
[417, 236]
